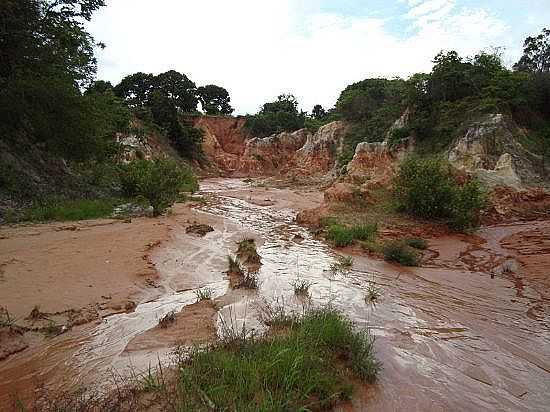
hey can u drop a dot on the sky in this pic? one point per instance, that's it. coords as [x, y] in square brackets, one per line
[259, 49]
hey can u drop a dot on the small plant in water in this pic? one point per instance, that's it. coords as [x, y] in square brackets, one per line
[167, 320]
[235, 267]
[6, 321]
[373, 294]
[301, 287]
[204, 294]
[342, 265]
[250, 281]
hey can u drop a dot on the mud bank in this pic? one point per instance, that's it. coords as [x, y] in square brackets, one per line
[457, 334]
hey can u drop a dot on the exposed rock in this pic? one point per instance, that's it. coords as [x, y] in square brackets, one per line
[268, 155]
[508, 204]
[319, 153]
[491, 149]
[374, 164]
[341, 192]
[223, 140]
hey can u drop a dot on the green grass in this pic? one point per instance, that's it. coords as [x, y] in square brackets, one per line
[399, 252]
[342, 236]
[65, 210]
[309, 367]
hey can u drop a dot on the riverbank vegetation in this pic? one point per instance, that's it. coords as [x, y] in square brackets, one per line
[310, 362]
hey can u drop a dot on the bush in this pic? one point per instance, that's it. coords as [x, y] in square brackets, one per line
[426, 188]
[417, 243]
[400, 253]
[158, 181]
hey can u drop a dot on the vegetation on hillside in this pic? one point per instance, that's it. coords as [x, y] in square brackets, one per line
[457, 91]
[56, 119]
[282, 115]
[426, 188]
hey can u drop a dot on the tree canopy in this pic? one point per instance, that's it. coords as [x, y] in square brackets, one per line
[214, 100]
[46, 57]
[536, 53]
[281, 115]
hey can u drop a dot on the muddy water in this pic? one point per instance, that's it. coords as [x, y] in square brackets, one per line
[450, 338]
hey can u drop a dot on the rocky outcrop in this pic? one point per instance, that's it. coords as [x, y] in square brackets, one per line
[224, 140]
[320, 151]
[271, 155]
[374, 164]
[491, 149]
[231, 151]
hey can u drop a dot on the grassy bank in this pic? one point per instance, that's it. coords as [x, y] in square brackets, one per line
[307, 366]
[63, 210]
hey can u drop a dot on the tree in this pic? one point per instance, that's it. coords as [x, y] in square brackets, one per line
[318, 112]
[44, 37]
[46, 57]
[99, 86]
[135, 89]
[278, 116]
[536, 54]
[179, 89]
[448, 80]
[214, 100]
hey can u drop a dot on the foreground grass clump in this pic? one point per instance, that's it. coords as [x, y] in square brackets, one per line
[427, 188]
[400, 252]
[64, 210]
[305, 368]
[342, 236]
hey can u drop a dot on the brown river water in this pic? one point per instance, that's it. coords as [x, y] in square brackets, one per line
[450, 336]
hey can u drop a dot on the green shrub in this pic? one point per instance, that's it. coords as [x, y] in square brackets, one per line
[364, 232]
[417, 243]
[400, 253]
[426, 188]
[468, 201]
[339, 235]
[158, 181]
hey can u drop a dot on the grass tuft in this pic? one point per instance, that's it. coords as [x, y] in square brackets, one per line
[342, 236]
[167, 320]
[301, 287]
[204, 294]
[399, 252]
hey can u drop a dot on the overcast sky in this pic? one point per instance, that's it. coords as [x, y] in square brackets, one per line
[258, 49]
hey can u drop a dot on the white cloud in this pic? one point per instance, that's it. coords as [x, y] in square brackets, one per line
[259, 49]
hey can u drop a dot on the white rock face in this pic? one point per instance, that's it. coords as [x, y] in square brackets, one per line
[491, 150]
